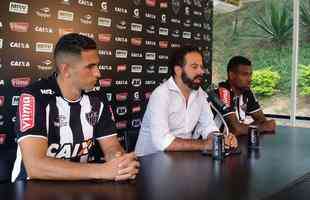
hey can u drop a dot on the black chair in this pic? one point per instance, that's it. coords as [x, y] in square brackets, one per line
[130, 139]
[7, 158]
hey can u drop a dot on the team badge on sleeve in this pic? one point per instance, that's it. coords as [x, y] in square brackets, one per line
[26, 112]
[92, 117]
[225, 96]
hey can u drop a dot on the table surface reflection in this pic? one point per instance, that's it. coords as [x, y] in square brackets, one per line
[281, 159]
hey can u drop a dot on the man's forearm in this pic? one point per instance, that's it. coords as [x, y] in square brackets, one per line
[235, 126]
[180, 144]
[58, 169]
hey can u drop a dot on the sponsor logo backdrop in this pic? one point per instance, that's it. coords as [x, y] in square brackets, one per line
[135, 39]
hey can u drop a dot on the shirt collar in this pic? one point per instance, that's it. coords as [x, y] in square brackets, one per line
[57, 90]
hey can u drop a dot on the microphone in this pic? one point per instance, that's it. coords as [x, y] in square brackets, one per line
[214, 99]
[218, 106]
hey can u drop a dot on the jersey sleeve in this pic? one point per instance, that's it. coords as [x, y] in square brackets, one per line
[30, 117]
[106, 123]
[253, 105]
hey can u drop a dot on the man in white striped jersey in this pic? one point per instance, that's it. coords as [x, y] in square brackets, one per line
[58, 122]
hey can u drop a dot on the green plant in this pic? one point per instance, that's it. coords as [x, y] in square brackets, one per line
[305, 14]
[304, 80]
[275, 24]
[265, 81]
[305, 17]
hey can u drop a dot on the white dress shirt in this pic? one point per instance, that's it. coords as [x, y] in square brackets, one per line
[167, 116]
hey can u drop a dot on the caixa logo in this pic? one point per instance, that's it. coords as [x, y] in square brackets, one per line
[105, 67]
[136, 82]
[121, 82]
[86, 3]
[105, 52]
[90, 35]
[20, 82]
[21, 45]
[120, 10]
[18, 63]
[121, 110]
[136, 123]
[43, 29]
[121, 124]
[123, 96]
[150, 82]
[105, 82]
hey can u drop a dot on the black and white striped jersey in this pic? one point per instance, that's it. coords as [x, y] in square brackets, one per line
[242, 106]
[69, 127]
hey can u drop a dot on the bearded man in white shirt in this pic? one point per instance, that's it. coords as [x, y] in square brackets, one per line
[178, 111]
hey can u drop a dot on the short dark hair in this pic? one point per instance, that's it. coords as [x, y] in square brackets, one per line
[178, 57]
[235, 61]
[74, 44]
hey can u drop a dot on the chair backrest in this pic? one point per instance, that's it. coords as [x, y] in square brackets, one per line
[130, 139]
[7, 158]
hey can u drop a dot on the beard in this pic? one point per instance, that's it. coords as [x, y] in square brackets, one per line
[191, 82]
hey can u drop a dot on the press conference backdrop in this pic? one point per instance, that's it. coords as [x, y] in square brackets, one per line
[135, 39]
